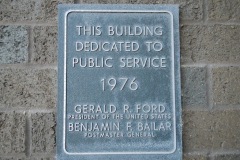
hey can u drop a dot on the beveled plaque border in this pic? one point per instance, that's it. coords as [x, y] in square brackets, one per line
[65, 82]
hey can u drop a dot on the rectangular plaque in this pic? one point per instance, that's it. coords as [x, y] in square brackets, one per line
[119, 82]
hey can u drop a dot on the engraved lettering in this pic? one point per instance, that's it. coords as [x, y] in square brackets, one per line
[154, 126]
[89, 30]
[91, 108]
[103, 134]
[150, 108]
[125, 108]
[140, 134]
[134, 30]
[156, 46]
[90, 62]
[129, 126]
[87, 46]
[111, 83]
[142, 62]
[94, 126]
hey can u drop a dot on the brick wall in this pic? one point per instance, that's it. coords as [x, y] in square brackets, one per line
[210, 75]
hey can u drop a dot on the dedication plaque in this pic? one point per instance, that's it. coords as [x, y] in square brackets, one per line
[119, 83]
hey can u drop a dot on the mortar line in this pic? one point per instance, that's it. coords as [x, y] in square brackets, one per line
[13, 155]
[54, 65]
[209, 23]
[209, 85]
[184, 22]
[28, 66]
[194, 65]
[203, 152]
[30, 47]
[195, 108]
[205, 12]
[22, 110]
[44, 155]
[54, 110]
[210, 157]
[223, 23]
[46, 110]
[225, 152]
[28, 135]
[216, 65]
[213, 65]
[76, 1]
[187, 22]
[226, 107]
[28, 23]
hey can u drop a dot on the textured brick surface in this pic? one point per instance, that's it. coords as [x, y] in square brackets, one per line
[87, 1]
[47, 9]
[30, 10]
[227, 157]
[194, 87]
[40, 158]
[224, 10]
[197, 131]
[189, 9]
[13, 44]
[211, 130]
[226, 85]
[48, 158]
[12, 133]
[14, 158]
[226, 130]
[27, 88]
[16, 10]
[213, 44]
[25, 158]
[194, 157]
[105, 1]
[43, 132]
[45, 45]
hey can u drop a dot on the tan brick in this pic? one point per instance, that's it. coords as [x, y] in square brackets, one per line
[30, 10]
[194, 157]
[189, 9]
[47, 9]
[16, 10]
[13, 44]
[14, 158]
[223, 10]
[226, 130]
[45, 45]
[226, 86]
[227, 157]
[210, 44]
[12, 133]
[194, 88]
[214, 130]
[88, 1]
[28, 88]
[108, 1]
[197, 131]
[41, 158]
[27, 158]
[43, 132]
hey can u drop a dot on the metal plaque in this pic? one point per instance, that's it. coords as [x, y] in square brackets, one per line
[119, 82]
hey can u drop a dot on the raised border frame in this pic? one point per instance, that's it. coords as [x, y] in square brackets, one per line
[65, 81]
